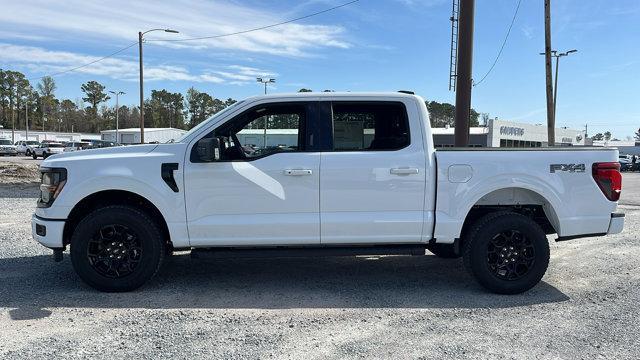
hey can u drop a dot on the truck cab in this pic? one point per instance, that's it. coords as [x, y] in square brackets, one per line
[321, 174]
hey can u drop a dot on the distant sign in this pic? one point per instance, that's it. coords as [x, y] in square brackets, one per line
[511, 130]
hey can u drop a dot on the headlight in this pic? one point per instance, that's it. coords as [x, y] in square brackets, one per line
[53, 180]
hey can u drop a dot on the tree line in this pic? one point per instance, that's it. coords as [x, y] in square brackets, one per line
[20, 100]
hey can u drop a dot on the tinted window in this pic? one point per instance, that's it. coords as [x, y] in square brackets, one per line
[369, 126]
[263, 131]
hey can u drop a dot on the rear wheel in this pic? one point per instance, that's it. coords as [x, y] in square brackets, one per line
[34, 155]
[506, 252]
[117, 248]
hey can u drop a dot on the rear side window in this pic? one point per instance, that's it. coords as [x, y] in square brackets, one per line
[369, 126]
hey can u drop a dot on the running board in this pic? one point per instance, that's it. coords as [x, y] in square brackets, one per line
[307, 251]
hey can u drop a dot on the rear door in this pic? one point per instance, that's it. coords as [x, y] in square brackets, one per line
[372, 181]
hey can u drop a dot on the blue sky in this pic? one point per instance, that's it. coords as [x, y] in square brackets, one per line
[372, 45]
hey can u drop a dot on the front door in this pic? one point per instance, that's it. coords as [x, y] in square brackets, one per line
[264, 190]
[372, 180]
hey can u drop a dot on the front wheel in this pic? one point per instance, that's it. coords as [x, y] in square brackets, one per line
[34, 156]
[117, 248]
[506, 252]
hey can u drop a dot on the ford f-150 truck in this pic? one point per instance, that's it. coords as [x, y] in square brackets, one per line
[326, 174]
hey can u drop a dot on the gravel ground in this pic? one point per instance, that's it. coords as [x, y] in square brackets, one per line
[390, 307]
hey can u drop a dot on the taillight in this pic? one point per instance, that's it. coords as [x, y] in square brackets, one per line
[607, 176]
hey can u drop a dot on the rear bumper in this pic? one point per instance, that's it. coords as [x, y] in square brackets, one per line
[47, 232]
[616, 225]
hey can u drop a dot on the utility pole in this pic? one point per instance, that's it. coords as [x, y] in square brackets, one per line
[463, 72]
[26, 121]
[117, 93]
[551, 120]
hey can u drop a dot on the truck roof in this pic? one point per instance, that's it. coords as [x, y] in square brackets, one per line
[388, 94]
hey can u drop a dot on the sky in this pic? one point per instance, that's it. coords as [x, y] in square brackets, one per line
[370, 45]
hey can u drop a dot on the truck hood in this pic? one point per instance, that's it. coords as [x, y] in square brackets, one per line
[59, 160]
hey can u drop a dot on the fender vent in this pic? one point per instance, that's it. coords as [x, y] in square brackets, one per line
[166, 172]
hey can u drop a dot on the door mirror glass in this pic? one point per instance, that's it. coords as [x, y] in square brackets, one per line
[208, 149]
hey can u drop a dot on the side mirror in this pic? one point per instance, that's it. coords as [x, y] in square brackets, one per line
[208, 149]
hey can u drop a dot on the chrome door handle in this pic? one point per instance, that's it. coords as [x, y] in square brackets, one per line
[297, 172]
[404, 171]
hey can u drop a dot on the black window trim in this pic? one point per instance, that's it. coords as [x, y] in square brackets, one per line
[308, 131]
[329, 135]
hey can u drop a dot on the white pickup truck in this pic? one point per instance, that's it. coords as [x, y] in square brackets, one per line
[326, 174]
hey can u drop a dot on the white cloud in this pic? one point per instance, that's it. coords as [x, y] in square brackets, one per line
[117, 20]
[41, 60]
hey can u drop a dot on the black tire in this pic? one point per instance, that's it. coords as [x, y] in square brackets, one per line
[27, 153]
[142, 251]
[34, 155]
[444, 251]
[507, 253]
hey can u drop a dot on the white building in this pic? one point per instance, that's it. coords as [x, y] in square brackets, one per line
[272, 137]
[19, 135]
[151, 135]
[500, 133]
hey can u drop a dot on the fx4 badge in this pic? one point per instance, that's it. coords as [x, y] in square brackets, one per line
[572, 168]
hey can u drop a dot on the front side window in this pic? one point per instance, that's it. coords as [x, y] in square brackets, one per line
[369, 126]
[262, 131]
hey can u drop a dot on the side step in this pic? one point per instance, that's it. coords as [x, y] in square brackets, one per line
[307, 251]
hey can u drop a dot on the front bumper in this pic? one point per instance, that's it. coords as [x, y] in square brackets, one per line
[8, 152]
[47, 232]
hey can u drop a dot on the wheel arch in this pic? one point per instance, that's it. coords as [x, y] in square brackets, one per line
[516, 199]
[112, 197]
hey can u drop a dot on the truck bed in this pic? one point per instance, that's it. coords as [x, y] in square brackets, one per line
[557, 179]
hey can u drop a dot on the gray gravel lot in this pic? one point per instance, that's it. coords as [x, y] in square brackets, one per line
[390, 307]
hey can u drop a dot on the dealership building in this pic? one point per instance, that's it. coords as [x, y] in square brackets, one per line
[500, 133]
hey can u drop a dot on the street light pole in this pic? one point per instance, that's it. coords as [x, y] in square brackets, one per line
[140, 39]
[557, 56]
[265, 81]
[117, 93]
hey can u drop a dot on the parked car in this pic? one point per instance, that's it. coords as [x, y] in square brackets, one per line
[98, 144]
[76, 145]
[26, 146]
[336, 191]
[7, 148]
[47, 149]
[625, 163]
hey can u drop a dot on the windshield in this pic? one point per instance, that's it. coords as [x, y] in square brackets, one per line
[216, 115]
[55, 145]
[5, 142]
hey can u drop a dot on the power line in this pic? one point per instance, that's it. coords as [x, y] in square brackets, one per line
[198, 38]
[87, 64]
[504, 42]
[261, 27]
